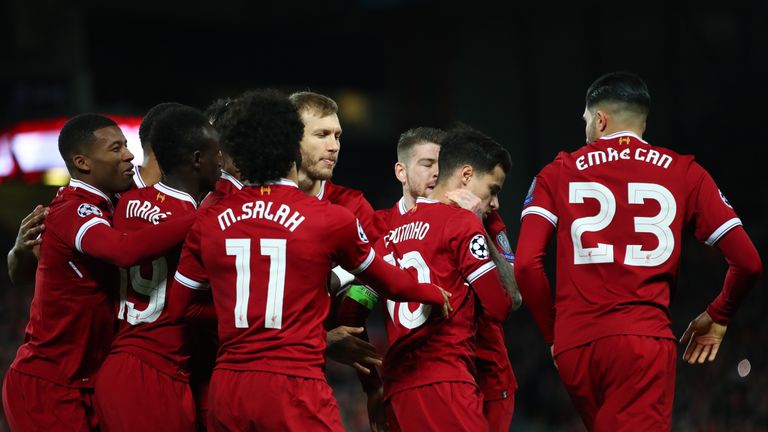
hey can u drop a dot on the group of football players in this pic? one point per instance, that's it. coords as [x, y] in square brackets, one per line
[204, 289]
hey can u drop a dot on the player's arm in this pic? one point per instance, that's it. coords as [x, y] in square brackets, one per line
[706, 332]
[507, 274]
[190, 298]
[98, 239]
[22, 259]
[535, 234]
[396, 284]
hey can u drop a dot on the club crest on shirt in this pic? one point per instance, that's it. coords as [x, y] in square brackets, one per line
[86, 210]
[529, 196]
[725, 200]
[361, 233]
[501, 239]
[478, 248]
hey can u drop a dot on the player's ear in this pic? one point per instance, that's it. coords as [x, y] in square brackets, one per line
[400, 172]
[197, 157]
[466, 174]
[81, 162]
[601, 120]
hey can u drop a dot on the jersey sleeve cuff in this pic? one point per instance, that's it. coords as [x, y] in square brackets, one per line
[191, 283]
[483, 269]
[716, 315]
[722, 230]
[364, 265]
[84, 228]
[541, 211]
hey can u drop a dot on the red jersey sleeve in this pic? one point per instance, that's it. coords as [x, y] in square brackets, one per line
[497, 230]
[540, 199]
[190, 271]
[708, 210]
[84, 216]
[466, 237]
[353, 249]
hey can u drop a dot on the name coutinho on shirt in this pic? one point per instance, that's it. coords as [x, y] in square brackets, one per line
[262, 210]
[611, 154]
[410, 231]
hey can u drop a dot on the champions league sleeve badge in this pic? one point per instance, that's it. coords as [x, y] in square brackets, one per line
[529, 196]
[725, 200]
[86, 210]
[360, 232]
[478, 248]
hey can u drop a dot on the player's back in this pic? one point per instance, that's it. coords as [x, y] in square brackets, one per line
[620, 206]
[268, 251]
[72, 319]
[443, 245]
[146, 330]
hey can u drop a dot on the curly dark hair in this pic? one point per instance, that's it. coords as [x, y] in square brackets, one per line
[216, 109]
[261, 131]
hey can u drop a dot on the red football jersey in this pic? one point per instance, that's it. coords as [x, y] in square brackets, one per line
[72, 316]
[145, 329]
[444, 245]
[226, 185]
[354, 201]
[267, 253]
[494, 371]
[619, 206]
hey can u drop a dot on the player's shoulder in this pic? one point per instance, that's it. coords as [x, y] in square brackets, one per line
[342, 195]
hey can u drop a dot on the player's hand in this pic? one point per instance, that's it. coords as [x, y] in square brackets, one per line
[377, 416]
[446, 308]
[703, 337]
[466, 200]
[345, 347]
[29, 231]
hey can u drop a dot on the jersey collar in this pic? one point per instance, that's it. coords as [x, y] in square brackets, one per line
[421, 200]
[179, 195]
[281, 182]
[624, 133]
[232, 179]
[137, 177]
[322, 190]
[401, 206]
[79, 184]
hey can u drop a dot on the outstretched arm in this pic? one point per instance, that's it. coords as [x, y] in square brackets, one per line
[705, 333]
[128, 249]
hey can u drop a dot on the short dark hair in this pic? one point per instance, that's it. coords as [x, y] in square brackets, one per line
[314, 102]
[178, 132]
[467, 146]
[626, 89]
[420, 135]
[77, 133]
[216, 109]
[145, 129]
[261, 131]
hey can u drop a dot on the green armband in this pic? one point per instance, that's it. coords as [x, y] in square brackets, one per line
[363, 295]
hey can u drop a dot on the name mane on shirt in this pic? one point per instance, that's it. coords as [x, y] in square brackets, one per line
[410, 231]
[262, 210]
[145, 210]
[611, 154]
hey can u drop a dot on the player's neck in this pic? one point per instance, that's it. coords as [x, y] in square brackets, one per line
[438, 193]
[408, 199]
[150, 170]
[309, 185]
[87, 179]
[183, 183]
[623, 128]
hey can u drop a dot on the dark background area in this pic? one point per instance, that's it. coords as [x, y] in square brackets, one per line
[517, 72]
